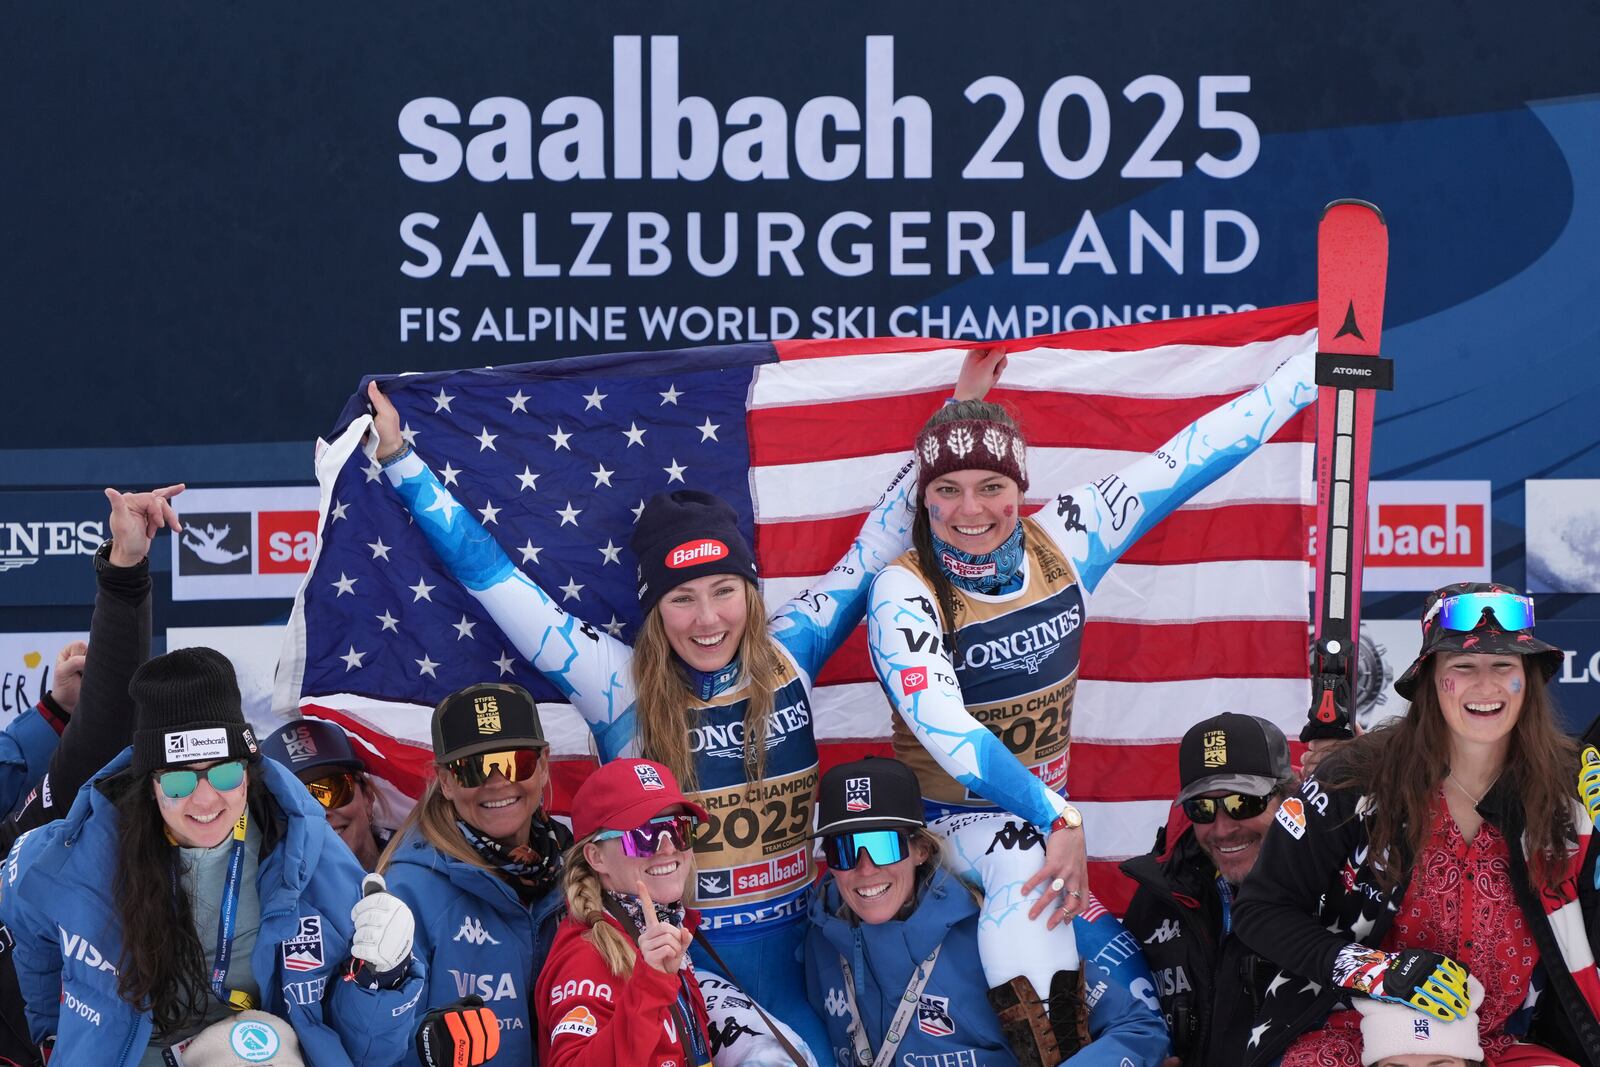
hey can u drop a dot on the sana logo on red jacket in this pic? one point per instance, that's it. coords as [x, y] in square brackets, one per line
[693, 553]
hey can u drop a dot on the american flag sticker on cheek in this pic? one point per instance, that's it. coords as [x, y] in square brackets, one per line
[914, 680]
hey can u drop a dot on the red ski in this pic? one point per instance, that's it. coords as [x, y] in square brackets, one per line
[1352, 267]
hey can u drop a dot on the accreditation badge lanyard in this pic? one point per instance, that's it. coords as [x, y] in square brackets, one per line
[1225, 893]
[897, 1025]
[237, 999]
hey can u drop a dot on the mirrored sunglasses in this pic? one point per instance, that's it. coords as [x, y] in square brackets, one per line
[516, 764]
[1237, 806]
[1465, 612]
[644, 841]
[334, 791]
[222, 776]
[844, 851]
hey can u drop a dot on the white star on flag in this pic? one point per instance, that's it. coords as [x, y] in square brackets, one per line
[345, 585]
[352, 659]
[708, 430]
[560, 437]
[602, 476]
[373, 471]
[379, 549]
[592, 400]
[463, 628]
[389, 621]
[449, 474]
[638, 511]
[519, 402]
[442, 401]
[569, 514]
[614, 627]
[611, 552]
[671, 396]
[530, 554]
[490, 513]
[338, 510]
[409, 434]
[634, 435]
[505, 662]
[570, 590]
[527, 478]
[422, 590]
[674, 472]
[425, 666]
[487, 440]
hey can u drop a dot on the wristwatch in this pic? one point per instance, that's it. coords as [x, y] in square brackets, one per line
[1069, 819]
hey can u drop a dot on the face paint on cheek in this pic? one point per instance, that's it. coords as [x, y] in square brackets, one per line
[1009, 511]
[936, 512]
[1516, 685]
[1447, 685]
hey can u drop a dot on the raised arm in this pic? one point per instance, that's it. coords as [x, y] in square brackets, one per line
[589, 667]
[1094, 524]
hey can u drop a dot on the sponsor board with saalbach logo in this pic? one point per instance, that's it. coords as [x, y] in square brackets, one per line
[251, 543]
[1422, 535]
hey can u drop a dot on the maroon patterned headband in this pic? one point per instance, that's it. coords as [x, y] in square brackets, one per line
[968, 445]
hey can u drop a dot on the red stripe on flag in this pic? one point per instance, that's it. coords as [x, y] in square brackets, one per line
[1146, 652]
[1240, 328]
[407, 766]
[1190, 535]
[810, 433]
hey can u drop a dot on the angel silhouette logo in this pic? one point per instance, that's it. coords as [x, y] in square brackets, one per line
[211, 546]
[207, 544]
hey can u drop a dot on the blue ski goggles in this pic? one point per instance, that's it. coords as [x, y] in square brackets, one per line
[843, 851]
[1466, 612]
[222, 776]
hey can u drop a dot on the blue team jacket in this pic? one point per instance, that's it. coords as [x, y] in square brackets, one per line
[25, 750]
[56, 899]
[953, 1016]
[477, 937]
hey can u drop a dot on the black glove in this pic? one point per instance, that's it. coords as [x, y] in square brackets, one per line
[460, 1034]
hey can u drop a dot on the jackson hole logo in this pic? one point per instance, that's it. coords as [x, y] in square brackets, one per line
[857, 794]
[1214, 749]
[488, 711]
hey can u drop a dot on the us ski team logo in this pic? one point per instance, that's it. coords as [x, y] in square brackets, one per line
[303, 952]
[933, 1016]
[857, 794]
[649, 777]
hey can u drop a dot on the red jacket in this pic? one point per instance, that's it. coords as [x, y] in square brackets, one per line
[588, 1017]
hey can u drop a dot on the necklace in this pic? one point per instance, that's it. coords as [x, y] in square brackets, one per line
[1451, 778]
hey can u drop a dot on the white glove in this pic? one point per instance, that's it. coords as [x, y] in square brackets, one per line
[384, 927]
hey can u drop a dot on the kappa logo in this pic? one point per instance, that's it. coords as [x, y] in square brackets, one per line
[303, 952]
[1214, 749]
[725, 1035]
[933, 1016]
[185, 745]
[914, 680]
[472, 932]
[487, 709]
[836, 1003]
[1167, 931]
[579, 1021]
[1292, 817]
[649, 777]
[857, 794]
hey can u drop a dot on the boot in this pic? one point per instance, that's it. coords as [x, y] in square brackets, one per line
[1069, 1015]
[1025, 1021]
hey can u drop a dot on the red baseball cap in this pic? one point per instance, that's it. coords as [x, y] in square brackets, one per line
[624, 795]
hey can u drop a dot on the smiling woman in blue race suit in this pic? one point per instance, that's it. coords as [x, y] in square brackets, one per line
[192, 879]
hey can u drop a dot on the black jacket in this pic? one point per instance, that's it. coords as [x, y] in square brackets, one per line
[101, 727]
[1176, 915]
[1314, 891]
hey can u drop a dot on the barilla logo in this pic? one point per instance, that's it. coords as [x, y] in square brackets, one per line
[1431, 535]
[690, 553]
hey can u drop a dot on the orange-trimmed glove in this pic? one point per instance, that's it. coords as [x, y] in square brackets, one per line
[460, 1034]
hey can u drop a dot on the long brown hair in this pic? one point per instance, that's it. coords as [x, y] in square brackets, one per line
[663, 703]
[1403, 761]
[922, 527]
[162, 968]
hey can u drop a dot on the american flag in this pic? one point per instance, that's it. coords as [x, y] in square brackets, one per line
[1208, 613]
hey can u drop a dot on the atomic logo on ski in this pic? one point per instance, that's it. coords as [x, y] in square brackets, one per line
[1350, 329]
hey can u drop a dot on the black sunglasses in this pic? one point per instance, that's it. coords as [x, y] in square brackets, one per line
[1238, 806]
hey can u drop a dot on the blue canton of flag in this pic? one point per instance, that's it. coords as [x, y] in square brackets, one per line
[556, 460]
